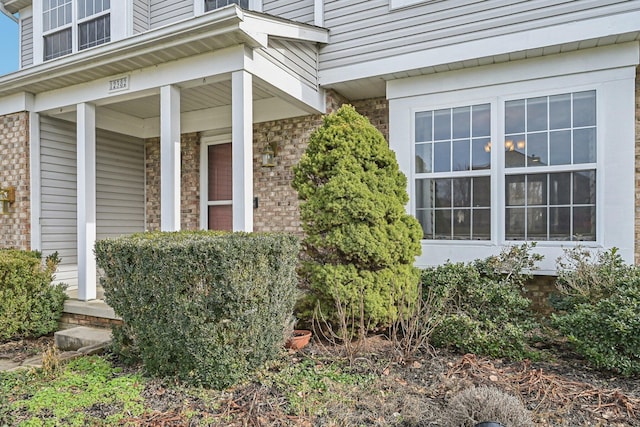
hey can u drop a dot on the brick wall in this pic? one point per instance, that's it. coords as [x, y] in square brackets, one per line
[637, 178]
[189, 187]
[14, 171]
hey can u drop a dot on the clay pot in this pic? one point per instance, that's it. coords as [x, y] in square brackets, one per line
[299, 339]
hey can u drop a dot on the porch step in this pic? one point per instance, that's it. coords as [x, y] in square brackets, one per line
[82, 337]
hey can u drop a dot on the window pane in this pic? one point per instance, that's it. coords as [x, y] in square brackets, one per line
[220, 174]
[481, 224]
[514, 147]
[584, 109]
[425, 218]
[461, 155]
[560, 148]
[537, 224]
[536, 114]
[424, 128]
[57, 44]
[442, 125]
[560, 111]
[560, 188]
[584, 188]
[462, 122]
[514, 223]
[95, 32]
[514, 116]
[442, 224]
[424, 193]
[423, 158]
[221, 217]
[442, 192]
[584, 223]
[515, 193]
[559, 223]
[481, 154]
[537, 149]
[442, 157]
[481, 120]
[461, 192]
[462, 224]
[536, 189]
[584, 145]
[482, 191]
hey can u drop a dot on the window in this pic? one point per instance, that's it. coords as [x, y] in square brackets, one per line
[452, 170]
[549, 170]
[92, 20]
[217, 4]
[557, 135]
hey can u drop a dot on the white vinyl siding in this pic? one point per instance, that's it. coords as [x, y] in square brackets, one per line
[140, 16]
[163, 12]
[298, 59]
[119, 190]
[296, 10]
[26, 42]
[366, 30]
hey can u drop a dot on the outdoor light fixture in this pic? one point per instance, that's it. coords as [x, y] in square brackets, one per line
[269, 154]
[7, 197]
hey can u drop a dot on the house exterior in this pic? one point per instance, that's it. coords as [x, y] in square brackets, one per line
[513, 120]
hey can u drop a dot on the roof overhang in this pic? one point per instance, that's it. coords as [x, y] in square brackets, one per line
[222, 28]
[13, 6]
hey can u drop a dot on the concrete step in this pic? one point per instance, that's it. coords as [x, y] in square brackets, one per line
[80, 337]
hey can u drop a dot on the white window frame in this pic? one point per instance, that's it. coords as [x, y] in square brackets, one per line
[615, 168]
[397, 4]
[88, 18]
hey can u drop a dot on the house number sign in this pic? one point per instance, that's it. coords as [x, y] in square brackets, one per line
[121, 83]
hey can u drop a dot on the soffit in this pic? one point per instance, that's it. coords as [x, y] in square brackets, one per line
[14, 6]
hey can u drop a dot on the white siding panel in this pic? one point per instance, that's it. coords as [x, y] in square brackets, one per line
[26, 42]
[140, 16]
[296, 10]
[163, 12]
[298, 59]
[363, 30]
[59, 203]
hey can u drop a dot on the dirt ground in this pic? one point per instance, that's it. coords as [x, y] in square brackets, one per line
[562, 392]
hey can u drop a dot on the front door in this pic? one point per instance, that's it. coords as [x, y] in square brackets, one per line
[219, 202]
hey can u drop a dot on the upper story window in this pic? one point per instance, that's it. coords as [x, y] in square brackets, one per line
[217, 4]
[87, 22]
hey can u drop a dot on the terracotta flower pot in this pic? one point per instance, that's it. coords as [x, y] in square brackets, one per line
[299, 339]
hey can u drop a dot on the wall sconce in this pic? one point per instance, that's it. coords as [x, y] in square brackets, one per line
[7, 197]
[269, 154]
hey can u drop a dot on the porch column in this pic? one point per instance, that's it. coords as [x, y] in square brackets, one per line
[169, 158]
[242, 150]
[86, 167]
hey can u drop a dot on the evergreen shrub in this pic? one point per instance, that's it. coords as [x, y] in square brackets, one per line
[30, 306]
[486, 312]
[360, 244]
[598, 307]
[205, 307]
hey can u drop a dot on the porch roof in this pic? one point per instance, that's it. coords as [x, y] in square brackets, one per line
[219, 29]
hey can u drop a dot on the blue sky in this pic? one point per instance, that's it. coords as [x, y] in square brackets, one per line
[8, 45]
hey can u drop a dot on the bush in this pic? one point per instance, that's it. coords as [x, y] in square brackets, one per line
[598, 309]
[360, 243]
[30, 305]
[486, 312]
[205, 307]
[484, 404]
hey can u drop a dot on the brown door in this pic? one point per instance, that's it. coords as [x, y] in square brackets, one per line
[220, 187]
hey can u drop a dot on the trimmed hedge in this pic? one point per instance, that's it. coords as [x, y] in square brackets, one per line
[206, 307]
[30, 305]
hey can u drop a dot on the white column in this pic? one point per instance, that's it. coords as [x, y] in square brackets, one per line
[242, 150]
[170, 158]
[86, 166]
[34, 179]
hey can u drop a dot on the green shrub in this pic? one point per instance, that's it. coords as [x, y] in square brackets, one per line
[360, 243]
[486, 312]
[598, 309]
[30, 305]
[202, 306]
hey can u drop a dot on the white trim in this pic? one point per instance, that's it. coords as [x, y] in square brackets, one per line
[318, 13]
[198, 7]
[255, 5]
[487, 47]
[170, 158]
[242, 150]
[86, 166]
[35, 190]
[397, 4]
[615, 168]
